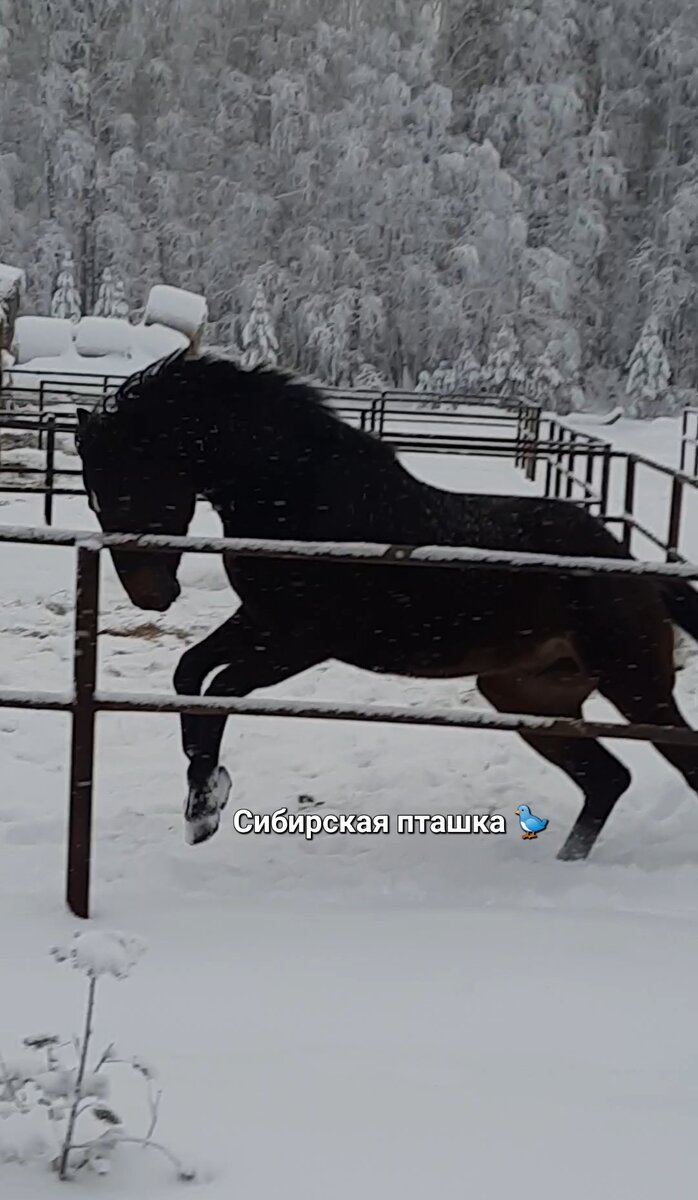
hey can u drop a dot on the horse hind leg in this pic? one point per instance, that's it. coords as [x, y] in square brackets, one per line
[560, 691]
[638, 678]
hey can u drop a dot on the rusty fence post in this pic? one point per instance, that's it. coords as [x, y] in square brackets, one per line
[536, 432]
[674, 519]
[605, 481]
[571, 466]
[83, 731]
[382, 404]
[373, 419]
[548, 439]
[50, 474]
[629, 502]
[40, 439]
[517, 434]
[560, 447]
[589, 474]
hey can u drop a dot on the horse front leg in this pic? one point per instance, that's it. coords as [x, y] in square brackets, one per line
[252, 657]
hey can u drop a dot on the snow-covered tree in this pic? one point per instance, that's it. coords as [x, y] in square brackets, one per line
[503, 370]
[111, 298]
[259, 342]
[119, 302]
[65, 301]
[406, 177]
[468, 371]
[444, 378]
[370, 378]
[649, 371]
[547, 381]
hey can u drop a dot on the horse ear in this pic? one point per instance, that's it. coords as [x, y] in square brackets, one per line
[83, 417]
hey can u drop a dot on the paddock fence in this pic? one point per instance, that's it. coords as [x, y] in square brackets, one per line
[559, 460]
[85, 700]
[40, 412]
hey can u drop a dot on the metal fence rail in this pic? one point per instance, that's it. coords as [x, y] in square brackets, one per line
[85, 701]
[568, 463]
[507, 427]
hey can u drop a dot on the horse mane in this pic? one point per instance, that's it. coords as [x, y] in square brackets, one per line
[183, 371]
[211, 379]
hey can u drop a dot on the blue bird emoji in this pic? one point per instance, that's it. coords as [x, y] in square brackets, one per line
[531, 825]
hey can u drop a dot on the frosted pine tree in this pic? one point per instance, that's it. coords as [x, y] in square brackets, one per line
[468, 371]
[260, 346]
[120, 303]
[369, 377]
[504, 370]
[111, 299]
[649, 372]
[547, 381]
[65, 301]
[445, 378]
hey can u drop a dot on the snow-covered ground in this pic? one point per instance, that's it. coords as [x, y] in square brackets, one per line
[659, 440]
[379, 1016]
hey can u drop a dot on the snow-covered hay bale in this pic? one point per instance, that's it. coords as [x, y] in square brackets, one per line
[41, 337]
[156, 341]
[97, 336]
[180, 310]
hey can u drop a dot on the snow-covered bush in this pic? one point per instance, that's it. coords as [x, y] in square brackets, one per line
[55, 1101]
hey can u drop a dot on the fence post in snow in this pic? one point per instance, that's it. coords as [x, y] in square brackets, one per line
[605, 479]
[629, 502]
[674, 532]
[83, 730]
[50, 467]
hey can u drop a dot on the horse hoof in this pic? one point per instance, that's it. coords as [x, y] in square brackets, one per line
[199, 831]
[205, 805]
[575, 849]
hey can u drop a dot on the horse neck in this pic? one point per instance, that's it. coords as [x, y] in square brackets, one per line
[296, 476]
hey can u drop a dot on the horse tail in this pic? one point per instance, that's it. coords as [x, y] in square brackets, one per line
[681, 601]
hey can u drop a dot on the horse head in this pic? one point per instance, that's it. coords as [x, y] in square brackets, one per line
[136, 485]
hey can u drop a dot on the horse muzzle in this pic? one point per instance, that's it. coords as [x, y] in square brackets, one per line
[152, 589]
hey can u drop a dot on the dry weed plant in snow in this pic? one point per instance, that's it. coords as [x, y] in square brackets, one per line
[55, 1101]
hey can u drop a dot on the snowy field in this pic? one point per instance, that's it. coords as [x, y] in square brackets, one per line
[375, 1016]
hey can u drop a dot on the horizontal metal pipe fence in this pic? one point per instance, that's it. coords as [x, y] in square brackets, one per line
[381, 413]
[85, 700]
[577, 465]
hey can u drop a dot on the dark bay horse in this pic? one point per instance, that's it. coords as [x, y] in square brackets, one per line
[275, 462]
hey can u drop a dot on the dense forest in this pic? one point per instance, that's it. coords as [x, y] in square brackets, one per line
[486, 188]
